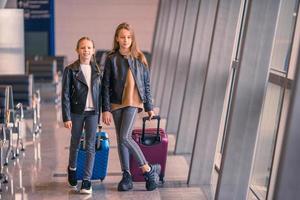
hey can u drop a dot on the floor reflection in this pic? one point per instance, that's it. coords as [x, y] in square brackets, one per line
[39, 172]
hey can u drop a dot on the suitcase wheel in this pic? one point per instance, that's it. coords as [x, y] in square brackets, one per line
[161, 178]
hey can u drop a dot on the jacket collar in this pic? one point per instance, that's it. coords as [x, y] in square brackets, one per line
[79, 74]
[129, 59]
[76, 67]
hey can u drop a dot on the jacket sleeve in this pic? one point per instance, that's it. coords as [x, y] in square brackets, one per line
[65, 95]
[106, 85]
[148, 105]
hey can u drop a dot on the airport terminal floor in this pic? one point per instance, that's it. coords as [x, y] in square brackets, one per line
[40, 171]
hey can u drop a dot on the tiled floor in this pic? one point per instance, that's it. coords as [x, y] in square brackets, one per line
[40, 171]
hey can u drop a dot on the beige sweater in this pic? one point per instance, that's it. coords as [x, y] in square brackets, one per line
[130, 95]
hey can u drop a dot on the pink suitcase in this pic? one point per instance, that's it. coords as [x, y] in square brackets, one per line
[154, 144]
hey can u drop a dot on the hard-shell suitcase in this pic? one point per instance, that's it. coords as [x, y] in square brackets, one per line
[101, 157]
[154, 144]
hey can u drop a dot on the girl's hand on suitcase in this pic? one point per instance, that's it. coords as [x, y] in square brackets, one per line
[151, 114]
[68, 124]
[106, 118]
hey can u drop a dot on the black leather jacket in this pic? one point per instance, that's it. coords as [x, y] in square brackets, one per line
[75, 90]
[114, 79]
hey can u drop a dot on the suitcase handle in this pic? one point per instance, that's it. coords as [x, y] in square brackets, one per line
[99, 128]
[157, 117]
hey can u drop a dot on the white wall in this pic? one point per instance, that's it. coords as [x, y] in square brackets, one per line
[12, 41]
[98, 19]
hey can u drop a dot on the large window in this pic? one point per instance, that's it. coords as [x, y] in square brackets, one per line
[229, 89]
[272, 122]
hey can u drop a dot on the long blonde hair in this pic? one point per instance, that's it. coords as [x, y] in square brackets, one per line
[135, 52]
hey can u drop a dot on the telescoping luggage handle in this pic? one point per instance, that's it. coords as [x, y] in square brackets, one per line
[157, 117]
[99, 139]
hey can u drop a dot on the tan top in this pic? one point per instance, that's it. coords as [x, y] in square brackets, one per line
[130, 95]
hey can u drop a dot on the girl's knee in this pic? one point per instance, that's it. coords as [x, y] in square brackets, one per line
[125, 141]
[90, 149]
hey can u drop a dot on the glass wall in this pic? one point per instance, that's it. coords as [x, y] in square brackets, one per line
[229, 90]
[272, 122]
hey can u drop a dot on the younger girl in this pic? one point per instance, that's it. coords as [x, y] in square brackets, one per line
[125, 92]
[81, 90]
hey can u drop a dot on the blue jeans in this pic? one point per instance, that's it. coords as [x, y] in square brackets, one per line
[89, 121]
[124, 119]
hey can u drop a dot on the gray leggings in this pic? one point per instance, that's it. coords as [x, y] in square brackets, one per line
[124, 119]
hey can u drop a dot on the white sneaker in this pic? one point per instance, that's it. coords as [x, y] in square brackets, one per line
[86, 187]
